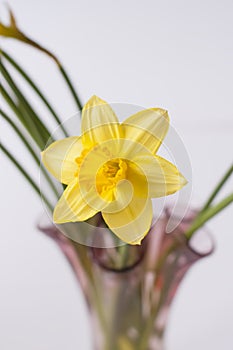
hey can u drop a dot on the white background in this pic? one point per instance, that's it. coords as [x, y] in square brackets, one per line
[174, 54]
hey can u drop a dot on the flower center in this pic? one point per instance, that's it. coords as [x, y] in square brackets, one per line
[109, 175]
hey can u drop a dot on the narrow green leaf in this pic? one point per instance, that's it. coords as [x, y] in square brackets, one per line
[26, 106]
[31, 151]
[71, 87]
[202, 218]
[27, 123]
[217, 189]
[13, 31]
[25, 174]
[35, 88]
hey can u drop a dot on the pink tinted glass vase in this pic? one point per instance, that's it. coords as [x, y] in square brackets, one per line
[128, 300]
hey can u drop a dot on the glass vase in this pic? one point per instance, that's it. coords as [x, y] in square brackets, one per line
[128, 300]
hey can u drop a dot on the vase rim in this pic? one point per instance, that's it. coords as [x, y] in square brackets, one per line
[203, 232]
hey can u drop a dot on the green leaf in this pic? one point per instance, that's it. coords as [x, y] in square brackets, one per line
[25, 174]
[35, 88]
[26, 122]
[31, 150]
[29, 114]
[13, 31]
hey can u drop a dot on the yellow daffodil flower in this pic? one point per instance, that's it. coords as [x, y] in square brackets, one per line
[113, 168]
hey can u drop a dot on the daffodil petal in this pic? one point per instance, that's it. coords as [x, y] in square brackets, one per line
[99, 122]
[138, 180]
[59, 158]
[132, 223]
[72, 207]
[148, 127]
[163, 177]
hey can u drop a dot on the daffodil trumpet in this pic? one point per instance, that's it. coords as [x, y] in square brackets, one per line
[113, 168]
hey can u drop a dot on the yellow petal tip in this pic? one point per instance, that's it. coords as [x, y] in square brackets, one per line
[183, 181]
[93, 102]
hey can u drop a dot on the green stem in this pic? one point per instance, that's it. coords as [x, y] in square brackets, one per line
[35, 88]
[27, 122]
[25, 174]
[31, 150]
[124, 252]
[93, 282]
[207, 215]
[155, 309]
[26, 106]
[217, 189]
[70, 85]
